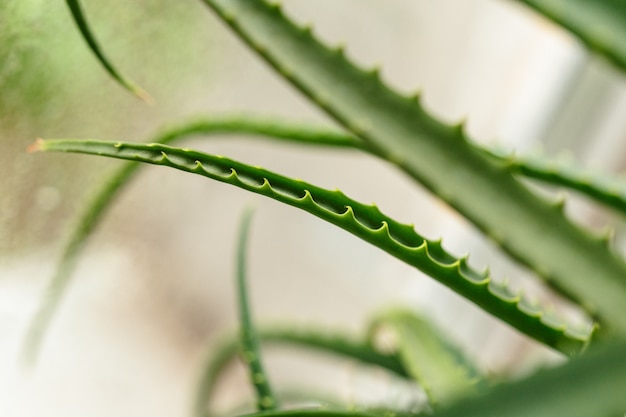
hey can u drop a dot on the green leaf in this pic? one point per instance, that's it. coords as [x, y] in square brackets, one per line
[250, 351]
[602, 190]
[97, 205]
[83, 26]
[590, 385]
[599, 24]
[366, 222]
[428, 357]
[440, 157]
[336, 343]
[609, 192]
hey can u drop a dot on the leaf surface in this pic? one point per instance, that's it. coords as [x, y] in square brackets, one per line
[365, 222]
[440, 157]
[590, 385]
[335, 343]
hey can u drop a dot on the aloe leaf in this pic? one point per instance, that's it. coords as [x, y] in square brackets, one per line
[563, 391]
[334, 343]
[96, 208]
[102, 199]
[83, 26]
[428, 357]
[602, 190]
[366, 222]
[250, 351]
[440, 157]
[600, 24]
[451, 348]
[611, 193]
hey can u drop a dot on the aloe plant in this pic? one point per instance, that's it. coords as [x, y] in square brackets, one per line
[481, 184]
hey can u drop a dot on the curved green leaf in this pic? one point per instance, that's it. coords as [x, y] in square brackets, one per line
[602, 190]
[83, 26]
[335, 343]
[440, 157]
[590, 385]
[251, 354]
[428, 357]
[599, 24]
[96, 206]
[366, 222]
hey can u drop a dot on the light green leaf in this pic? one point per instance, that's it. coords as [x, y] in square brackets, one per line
[97, 205]
[428, 357]
[609, 192]
[602, 190]
[440, 157]
[366, 222]
[590, 385]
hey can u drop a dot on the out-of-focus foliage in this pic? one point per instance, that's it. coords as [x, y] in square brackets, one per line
[51, 83]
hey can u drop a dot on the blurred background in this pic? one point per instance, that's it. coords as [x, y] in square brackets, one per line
[155, 284]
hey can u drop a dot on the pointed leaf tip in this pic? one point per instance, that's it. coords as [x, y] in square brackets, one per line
[36, 146]
[143, 95]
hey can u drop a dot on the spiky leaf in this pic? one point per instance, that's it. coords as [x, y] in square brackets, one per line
[335, 343]
[364, 221]
[97, 205]
[591, 385]
[438, 156]
[609, 192]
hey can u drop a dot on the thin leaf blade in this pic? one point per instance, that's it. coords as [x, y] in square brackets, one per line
[590, 385]
[250, 350]
[81, 21]
[440, 157]
[335, 343]
[428, 357]
[96, 206]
